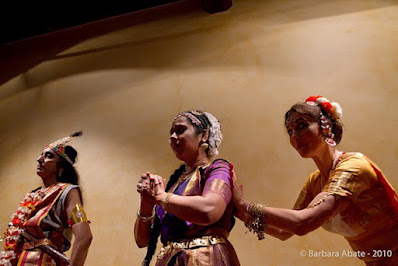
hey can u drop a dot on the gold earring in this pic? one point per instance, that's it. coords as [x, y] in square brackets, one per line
[204, 146]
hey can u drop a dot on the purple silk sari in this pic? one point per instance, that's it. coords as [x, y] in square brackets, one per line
[213, 178]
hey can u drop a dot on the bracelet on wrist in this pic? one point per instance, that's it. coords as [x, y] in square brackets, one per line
[145, 218]
[256, 214]
[165, 201]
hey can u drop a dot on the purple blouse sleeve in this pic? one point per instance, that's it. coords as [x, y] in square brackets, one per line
[217, 177]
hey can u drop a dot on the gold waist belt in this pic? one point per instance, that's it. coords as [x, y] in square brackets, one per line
[204, 241]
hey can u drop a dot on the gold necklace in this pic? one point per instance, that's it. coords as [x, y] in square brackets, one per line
[183, 177]
[186, 175]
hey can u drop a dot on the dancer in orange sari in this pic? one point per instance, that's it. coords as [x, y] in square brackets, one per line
[41, 228]
[347, 195]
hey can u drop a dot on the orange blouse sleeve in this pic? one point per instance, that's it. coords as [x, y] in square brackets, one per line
[351, 177]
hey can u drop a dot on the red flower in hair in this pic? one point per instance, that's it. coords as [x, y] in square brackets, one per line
[313, 98]
[327, 106]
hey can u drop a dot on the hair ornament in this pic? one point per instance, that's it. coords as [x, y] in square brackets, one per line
[333, 109]
[190, 116]
[59, 145]
[215, 135]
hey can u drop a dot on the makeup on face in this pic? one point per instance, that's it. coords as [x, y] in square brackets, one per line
[47, 163]
[184, 140]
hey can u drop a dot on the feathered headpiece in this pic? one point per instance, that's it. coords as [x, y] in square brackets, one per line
[59, 145]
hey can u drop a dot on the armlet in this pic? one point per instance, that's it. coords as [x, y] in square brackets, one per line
[78, 215]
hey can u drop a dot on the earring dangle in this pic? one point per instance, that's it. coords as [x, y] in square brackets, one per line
[330, 142]
[204, 145]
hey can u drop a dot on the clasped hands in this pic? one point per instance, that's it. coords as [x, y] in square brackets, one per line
[151, 187]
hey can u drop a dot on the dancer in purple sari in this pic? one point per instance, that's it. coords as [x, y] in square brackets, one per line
[194, 212]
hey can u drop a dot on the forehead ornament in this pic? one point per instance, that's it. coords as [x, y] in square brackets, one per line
[191, 117]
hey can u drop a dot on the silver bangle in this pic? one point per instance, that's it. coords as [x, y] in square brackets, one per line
[147, 218]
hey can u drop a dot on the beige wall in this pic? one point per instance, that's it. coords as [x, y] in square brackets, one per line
[247, 66]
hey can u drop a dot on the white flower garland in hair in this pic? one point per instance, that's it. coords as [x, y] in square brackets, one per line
[337, 111]
[215, 135]
[332, 108]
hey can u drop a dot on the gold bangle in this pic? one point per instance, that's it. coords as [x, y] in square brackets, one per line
[255, 210]
[165, 201]
[256, 217]
[145, 218]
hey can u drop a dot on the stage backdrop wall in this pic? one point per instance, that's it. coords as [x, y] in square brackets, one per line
[247, 66]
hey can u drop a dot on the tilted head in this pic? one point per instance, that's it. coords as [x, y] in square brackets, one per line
[57, 159]
[327, 114]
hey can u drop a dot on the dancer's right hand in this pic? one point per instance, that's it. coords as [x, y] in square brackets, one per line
[239, 198]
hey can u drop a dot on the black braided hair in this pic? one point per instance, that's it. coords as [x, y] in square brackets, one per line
[155, 229]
